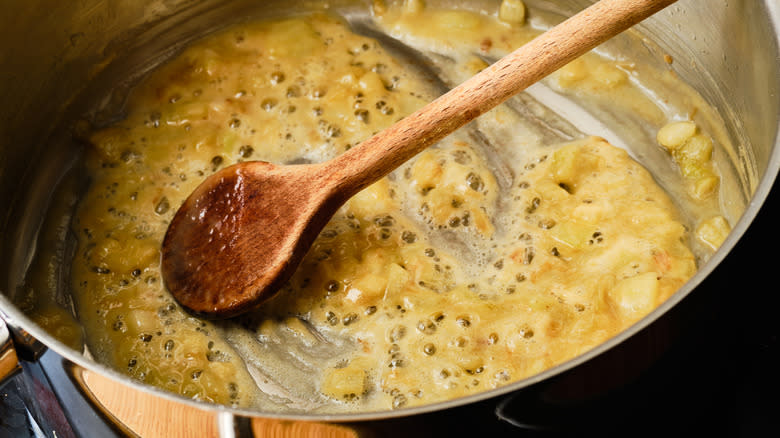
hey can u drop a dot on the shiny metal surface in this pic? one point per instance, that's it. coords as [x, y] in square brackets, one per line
[52, 52]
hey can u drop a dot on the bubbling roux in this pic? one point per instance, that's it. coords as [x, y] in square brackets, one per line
[488, 258]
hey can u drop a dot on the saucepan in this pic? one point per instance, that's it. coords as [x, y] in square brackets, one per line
[57, 63]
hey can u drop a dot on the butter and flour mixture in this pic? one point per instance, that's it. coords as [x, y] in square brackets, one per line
[488, 258]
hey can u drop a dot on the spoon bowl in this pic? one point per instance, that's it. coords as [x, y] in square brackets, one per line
[237, 232]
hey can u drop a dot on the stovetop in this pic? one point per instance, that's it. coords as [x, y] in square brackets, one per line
[719, 380]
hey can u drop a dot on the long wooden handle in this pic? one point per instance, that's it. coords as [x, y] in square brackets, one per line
[390, 148]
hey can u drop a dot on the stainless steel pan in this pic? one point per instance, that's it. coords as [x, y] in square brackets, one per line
[55, 57]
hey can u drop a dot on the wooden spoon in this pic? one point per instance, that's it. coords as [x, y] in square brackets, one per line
[241, 234]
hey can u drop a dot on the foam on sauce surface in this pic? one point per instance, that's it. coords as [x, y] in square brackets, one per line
[486, 259]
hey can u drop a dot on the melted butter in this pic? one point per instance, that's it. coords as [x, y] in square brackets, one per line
[462, 271]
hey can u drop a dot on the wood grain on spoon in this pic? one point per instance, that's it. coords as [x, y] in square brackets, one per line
[241, 234]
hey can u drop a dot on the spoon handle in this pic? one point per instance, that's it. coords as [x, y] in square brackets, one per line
[390, 148]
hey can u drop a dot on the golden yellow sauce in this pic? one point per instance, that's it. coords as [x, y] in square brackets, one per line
[451, 276]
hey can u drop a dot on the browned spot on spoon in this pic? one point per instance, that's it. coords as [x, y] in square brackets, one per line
[241, 234]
